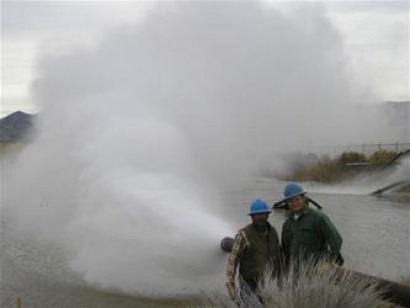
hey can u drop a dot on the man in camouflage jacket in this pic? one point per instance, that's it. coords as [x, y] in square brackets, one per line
[256, 251]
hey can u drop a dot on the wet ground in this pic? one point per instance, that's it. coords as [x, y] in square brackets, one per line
[376, 233]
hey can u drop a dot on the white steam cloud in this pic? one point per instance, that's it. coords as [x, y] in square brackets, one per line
[138, 136]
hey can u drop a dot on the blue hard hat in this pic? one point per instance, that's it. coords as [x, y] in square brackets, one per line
[293, 190]
[259, 207]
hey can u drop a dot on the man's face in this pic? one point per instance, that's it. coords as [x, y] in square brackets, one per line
[260, 219]
[297, 204]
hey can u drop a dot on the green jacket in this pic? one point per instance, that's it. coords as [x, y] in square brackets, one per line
[311, 236]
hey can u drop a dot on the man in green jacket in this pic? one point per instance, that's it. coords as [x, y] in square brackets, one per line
[256, 251]
[308, 235]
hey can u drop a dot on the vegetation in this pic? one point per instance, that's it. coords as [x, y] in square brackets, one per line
[405, 280]
[324, 286]
[382, 157]
[325, 169]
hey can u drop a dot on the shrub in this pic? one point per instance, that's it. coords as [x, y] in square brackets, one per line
[323, 286]
[382, 157]
[351, 157]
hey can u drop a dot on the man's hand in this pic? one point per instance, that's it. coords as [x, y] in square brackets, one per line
[231, 290]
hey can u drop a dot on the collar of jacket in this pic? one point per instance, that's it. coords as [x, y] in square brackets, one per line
[306, 211]
[268, 224]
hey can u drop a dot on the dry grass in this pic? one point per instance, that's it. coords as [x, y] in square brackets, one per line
[322, 286]
[405, 280]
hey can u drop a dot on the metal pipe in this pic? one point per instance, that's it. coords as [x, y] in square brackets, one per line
[393, 292]
[388, 187]
[227, 244]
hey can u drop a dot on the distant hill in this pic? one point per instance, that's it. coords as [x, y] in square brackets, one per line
[16, 127]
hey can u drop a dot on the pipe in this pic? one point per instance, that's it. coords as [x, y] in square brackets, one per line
[388, 187]
[393, 292]
[227, 244]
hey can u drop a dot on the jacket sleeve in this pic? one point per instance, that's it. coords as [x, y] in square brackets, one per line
[236, 253]
[278, 256]
[285, 247]
[332, 236]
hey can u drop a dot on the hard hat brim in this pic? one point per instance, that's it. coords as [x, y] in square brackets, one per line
[302, 193]
[260, 212]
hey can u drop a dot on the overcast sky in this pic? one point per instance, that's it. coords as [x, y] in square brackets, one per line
[375, 35]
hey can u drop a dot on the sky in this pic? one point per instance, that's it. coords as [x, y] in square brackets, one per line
[375, 37]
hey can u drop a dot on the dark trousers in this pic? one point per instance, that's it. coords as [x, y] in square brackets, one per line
[250, 294]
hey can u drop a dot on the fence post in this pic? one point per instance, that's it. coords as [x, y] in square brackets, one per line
[18, 302]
